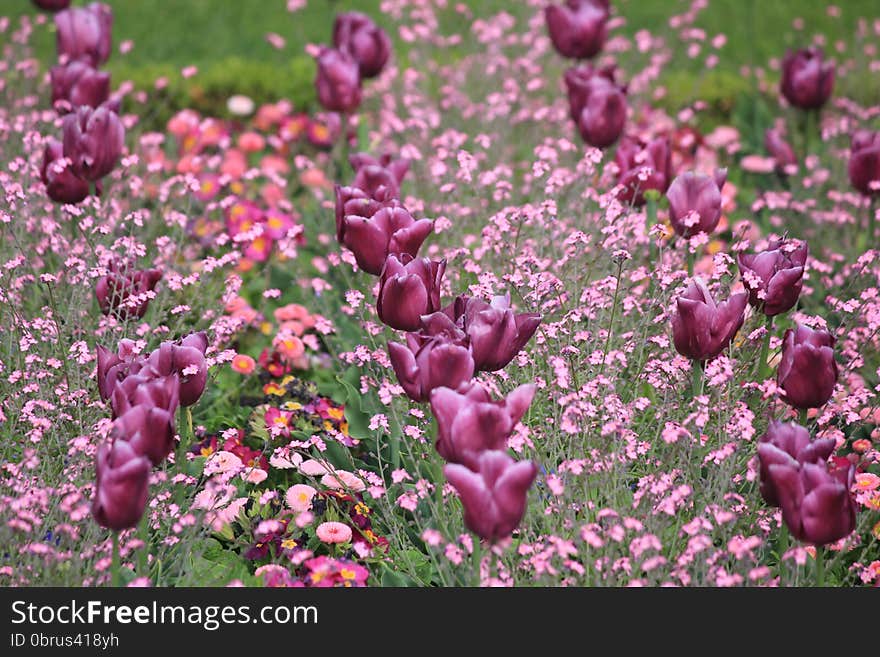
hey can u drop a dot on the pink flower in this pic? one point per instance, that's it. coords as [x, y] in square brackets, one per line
[299, 497]
[333, 532]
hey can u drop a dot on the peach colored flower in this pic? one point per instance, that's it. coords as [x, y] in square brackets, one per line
[314, 178]
[284, 459]
[255, 475]
[313, 468]
[222, 461]
[243, 364]
[333, 532]
[299, 497]
[251, 142]
[290, 347]
[343, 479]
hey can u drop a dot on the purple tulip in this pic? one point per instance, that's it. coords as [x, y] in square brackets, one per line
[56, 172]
[497, 334]
[77, 83]
[52, 5]
[93, 140]
[702, 329]
[409, 288]
[642, 167]
[807, 79]
[470, 423]
[125, 293]
[578, 28]
[121, 485]
[807, 372]
[774, 277]
[389, 231]
[338, 81]
[437, 356]
[146, 408]
[354, 201]
[597, 104]
[864, 162]
[85, 33]
[378, 178]
[781, 151]
[695, 202]
[113, 368]
[186, 359]
[817, 504]
[788, 444]
[494, 496]
[360, 37]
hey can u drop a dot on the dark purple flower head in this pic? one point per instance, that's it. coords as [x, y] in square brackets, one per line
[378, 178]
[355, 201]
[145, 414]
[94, 140]
[578, 28]
[774, 277]
[497, 333]
[864, 162]
[357, 34]
[469, 422]
[702, 329]
[391, 230]
[125, 291]
[113, 368]
[338, 81]
[437, 356]
[807, 372]
[807, 79]
[52, 5]
[642, 167]
[817, 505]
[597, 104]
[121, 485]
[78, 83]
[409, 288]
[85, 33]
[494, 495]
[788, 444]
[695, 202]
[56, 172]
[186, 359]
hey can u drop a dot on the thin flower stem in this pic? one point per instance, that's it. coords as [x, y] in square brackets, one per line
[763, 367]
[114, 564]
[697, 377]
[691, 256]
[477, 561]
[802, 417]
[820, 566]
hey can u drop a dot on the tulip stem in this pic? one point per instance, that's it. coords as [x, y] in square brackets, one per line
[763, 369]
[189, 424]
[114, 563]
[697, 377]
[691, 256]
[820, 566]
[802, 417]
[477, 561]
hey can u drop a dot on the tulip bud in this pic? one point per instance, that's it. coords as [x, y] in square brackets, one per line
[121, 485]
[77, 83]
[470, 423]
[125, 293]
[642, 167]
[807, 79]
[93, 140]
[354, 201]
[494, 496]
[113, 368]
[597, 104]
[701, 329]
[390, 231]
[367, 43]
[409, 288]
[186, 359]
[437, 356]
[85, 32]
[695, 202]
[774, 278]
[817, 505]
[338, 81]
[780, 150]
[146, 415]
[497, 334]
[578, 28]
[788, 444]
[52, 5]
[56, 172]
[807, 372]
[864, 162]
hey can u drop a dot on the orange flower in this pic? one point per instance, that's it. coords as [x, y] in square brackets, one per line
[251, 142]
[290, 347]
[314, 178]
[243, 364]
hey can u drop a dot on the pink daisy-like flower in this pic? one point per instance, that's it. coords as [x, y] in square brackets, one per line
[343, 479]
[313, 468]
[299, 497]
[243, 364]
[333, 532]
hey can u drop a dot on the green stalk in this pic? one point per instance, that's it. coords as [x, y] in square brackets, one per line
[477, 558]
[820, 566]
[763, 367]
[802, 417]
[696, 377]
[114, 564]
[691, 256]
